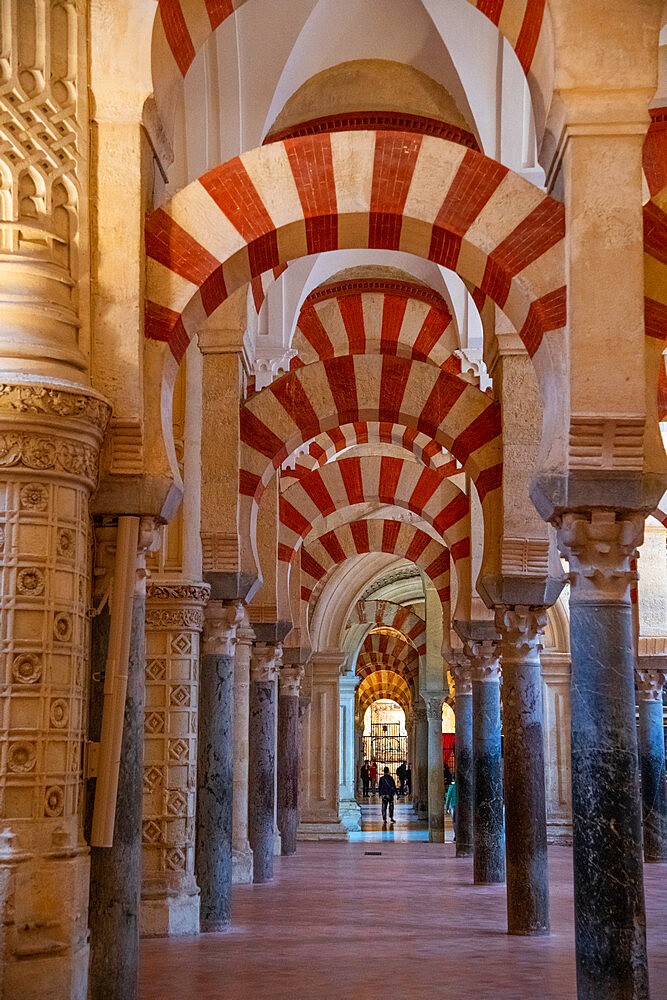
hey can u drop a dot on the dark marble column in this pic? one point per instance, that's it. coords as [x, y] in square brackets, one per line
[420, 766]
[434, 701]
[115, 872]
[215, 764]
[520, 629]
[610, 924]
[289, 684]
[650, 682]
[489, 834]
[463, 749]
[262, 757]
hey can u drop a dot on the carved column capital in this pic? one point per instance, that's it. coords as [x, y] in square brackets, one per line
[600, 545]
[419, 712]
[245, 635]
[434, 700]
[462, 676]
[220, 623]
[483, 657]
[650, 683]
[289, 681]
[176, 605]
[264, 661]
[521, 626]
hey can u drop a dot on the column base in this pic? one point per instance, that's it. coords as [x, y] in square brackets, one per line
[60, 972]
[169, 915]
[242, 866]
[559, 832]
[350, 815]
[322, 831]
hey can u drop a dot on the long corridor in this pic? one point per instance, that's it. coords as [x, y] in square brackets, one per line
[339, 923]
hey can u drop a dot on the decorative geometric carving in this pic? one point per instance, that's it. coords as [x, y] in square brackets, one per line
[59, 713]
[156, 669]
[27, 668]
[21, 757]
[220, 551]
[603, 443]
[30, 582]
[179, 696]
[126, 445]
[176, 803]
[525, 556]
[62, 626]
[154, 722]
[175, 859]
[34, 496]
[178, 750]
[151, 832]
[181, 644]
[54, 800]
[153, 778]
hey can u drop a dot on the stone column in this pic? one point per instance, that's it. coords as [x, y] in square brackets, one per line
[610, 923]
[169, 890]
[420, 769]
[489, 835]
[556, 669]
[520, 630]
[289, 684]
[410, 730]
[461, 673]
[650, 682]
[348, 807]
[320, 784]
[215, 772]
[241, 850]
[264, 662]
[434, 701]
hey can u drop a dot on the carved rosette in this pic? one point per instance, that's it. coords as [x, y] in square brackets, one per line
[176, 605]
[220, 624]
[289, 681]
[600, 547]
[264, 661]
[650, 683]
[484, 661]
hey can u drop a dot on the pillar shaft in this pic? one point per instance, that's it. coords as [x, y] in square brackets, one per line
[241, 851]
[464, 766]
[262, 757]
[289, 684]
[215, 765]
[420, 769]
[169, 891]
[520, 629]
[489, 835]
[436, 811]
[610, 926]
[349, 811]
[650, 683]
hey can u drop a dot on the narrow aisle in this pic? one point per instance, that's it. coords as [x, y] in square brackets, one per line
[406, 826]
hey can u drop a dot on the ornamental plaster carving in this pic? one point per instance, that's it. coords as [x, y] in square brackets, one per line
[189, 600]
[220, 624]
[46, 453]
[289, 681]
[650, 683]
[600, 547]
[42, 399]
[264, 661]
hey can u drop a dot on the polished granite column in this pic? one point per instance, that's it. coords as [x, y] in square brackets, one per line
[264, 663]
[241, 852]
[215, 770]
[420, 768]
[489, 834]
[520, 630]
[434, 701]
[461, 673]
[289, 685]
[650, 683]
[609, 917]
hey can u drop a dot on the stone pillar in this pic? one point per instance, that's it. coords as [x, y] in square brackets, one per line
[241, 850]
[650, 682]
[520, 630]
[434, 701]
[556, 669]
[348, 808]
[420, 769]
[169, 890]
[410, 730]
[489, 835]
[115, 872]
[610, 923]
[320, 784]
[461, 673]
[215, 771]
[289, 684]
[264, 663]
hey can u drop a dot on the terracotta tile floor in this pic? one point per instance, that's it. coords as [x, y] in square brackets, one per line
[337, 924]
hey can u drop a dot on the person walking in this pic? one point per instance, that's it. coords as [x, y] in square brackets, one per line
[408, 778]
[387, 790]
[374, 777]
[400, 774]
[450, 803]
[365, 778]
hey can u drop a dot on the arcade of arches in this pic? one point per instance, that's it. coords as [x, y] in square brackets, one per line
[332, 373]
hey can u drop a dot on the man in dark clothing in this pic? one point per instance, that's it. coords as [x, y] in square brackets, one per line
[387, 789]
[408, 778]
[365, 778]
[400, 774]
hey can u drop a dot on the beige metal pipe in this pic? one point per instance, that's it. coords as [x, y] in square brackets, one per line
[115, 681]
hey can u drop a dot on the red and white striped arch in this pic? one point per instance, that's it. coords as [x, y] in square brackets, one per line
[182, 27]
[384, 684]
[406, 541]
[367, 664]
[655, 302]
[376, 316]
[346, 190]
[326, 446]
[390, 644]
[395, 616]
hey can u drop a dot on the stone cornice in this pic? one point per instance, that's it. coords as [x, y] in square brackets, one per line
[352, 121]
[378, 286]
[48, 397]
